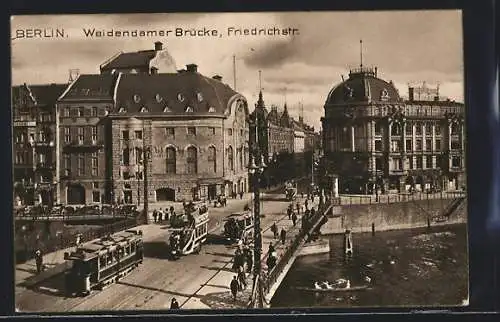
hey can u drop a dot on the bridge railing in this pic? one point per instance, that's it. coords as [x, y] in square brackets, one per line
[400, 197]
[290, 250]
[28, 242]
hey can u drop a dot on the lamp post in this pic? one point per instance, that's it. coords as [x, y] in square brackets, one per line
[147, 157]
[256, 168]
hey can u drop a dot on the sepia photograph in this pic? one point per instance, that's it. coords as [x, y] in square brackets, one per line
[212, 161]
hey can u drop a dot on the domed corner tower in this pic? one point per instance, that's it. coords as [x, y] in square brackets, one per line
[356, 130]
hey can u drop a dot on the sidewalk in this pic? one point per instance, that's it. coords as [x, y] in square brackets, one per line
[216, 293]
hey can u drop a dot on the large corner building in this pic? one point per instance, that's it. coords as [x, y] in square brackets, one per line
[373, 139]
[142, 117]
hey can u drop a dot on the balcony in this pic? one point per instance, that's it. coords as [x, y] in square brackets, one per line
[397, 172]
[84, 144]
[45, 166]
[42, 143]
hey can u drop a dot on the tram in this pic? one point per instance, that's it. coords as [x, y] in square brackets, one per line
[190, 231]
[100, 262]
[238, 226]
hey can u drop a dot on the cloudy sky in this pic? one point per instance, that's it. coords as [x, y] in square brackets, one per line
[406, 46]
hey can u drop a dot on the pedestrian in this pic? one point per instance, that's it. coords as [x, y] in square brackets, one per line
[306, 203]
[271, 248]
[249, 261]
[274, 229]
[155, 215]
[241, 194]
[39, 261]
[289, 212]
[283, 235]
[160, 215]
[172, 212]
[242, 279]
[174, 305]
[297, 205]
[294, 219]
[271, 261]
[234, 287]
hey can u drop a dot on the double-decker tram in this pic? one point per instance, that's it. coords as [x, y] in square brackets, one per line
[290, 190]
[239, 225]
[100, 262]
[190, 230]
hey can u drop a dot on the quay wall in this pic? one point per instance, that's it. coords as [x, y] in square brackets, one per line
[402, 215]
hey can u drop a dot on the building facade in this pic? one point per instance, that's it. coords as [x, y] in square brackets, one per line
[375, 140]
[191, 130]
[34, 143]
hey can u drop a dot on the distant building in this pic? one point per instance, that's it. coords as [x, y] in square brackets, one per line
[373, 139]
[191, 130]
[34, 142]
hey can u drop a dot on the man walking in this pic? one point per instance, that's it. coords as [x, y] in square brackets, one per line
[39, 261]
[294, 219]
[234, 287]
[274, 229]
[283, 236]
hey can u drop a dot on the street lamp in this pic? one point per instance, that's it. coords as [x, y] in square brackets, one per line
[256, 171]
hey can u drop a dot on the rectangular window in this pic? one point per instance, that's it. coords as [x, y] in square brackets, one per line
[241, 133]
[230, 132]
[211, 130]
[138, 155]
[95, 185]
[455, 162]
[95, 164]
[428, 145]
[96, 196]
[138, 135]
[428, 162]
[126, 156]
[409, 146]
[191, 130]
[395, 146]
[418, 145]
[409, 129]
[81, 135]
[397, 164]
[19, 158]
[125, 135]
[438, 129]
[67, 164]
[94, 134]
[419, 162]
[428, 129]
[455, 145]
[378, 164]
[378, 129]
[418, 129]
[170, 131]
[378, 145]
[94, 111]
[410, 163]
[81, 164]
[81, 111]
[66, 112]
[67, 134]
[438, 145]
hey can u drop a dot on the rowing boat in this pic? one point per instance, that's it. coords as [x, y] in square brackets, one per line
[335, 289]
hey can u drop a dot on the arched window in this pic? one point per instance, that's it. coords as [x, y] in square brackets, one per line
[212, 159]
[171, 160]
[230, 157]
[192, 160]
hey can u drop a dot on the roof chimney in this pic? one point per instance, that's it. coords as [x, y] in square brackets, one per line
[411, 94]
[193, 68]
[158, 45]
[217, 77]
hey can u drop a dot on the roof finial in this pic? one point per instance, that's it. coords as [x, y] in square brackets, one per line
[361, 52]
[260, 81]
[285, 95]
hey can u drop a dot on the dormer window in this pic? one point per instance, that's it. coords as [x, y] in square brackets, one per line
[384, 96]
[167, 109]
[180, 97]
[211, 109]
[189, 109]
[122, 110]
[199, 96]
[158, 98]
[144, 109]
[137, 98]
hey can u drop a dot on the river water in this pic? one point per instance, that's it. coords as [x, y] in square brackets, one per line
[407, 268]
